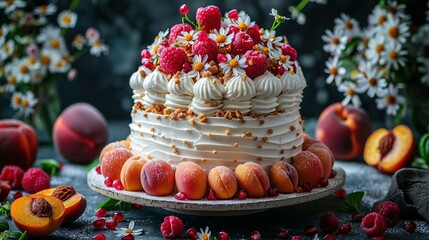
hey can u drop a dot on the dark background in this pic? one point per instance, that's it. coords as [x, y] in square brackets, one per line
[129, 26]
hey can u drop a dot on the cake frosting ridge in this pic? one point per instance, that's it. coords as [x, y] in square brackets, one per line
[218, 94]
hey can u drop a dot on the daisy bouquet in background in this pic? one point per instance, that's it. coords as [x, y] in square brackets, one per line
[386, 60]
[34, 54]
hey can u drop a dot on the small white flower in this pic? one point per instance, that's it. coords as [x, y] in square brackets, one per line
[38, 75]
[10, 5]
[271, 36]
[127, 231]
[393, 56]
[236, 65]
[395, 30]
[375, 49]
[243, 23]
[424, 69]
[187, 38]
[277, 16]
[45, 10]
[11, 83]
[16, 101]
[98, 48]
[348, 25]
[204, 234]
[4, 30]
[28, 102]
[199, 65]
[283, 60]
[222, 37]
[47, 33]
[319, 1]
[7, 49]
[60, 64]
[397, 9]
[298, 16]
[350, 94]
[390, 100]
[67, 19]
[378, 17]
[78, 42]
[421, 37]
[92, 35]
[335, 41]
[371, 80]
[335, 70]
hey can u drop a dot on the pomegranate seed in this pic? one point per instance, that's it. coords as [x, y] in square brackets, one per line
[128, 237]
[101, 212]
[296, 238]
[357, 217]
[145, 54]
[272, 192]
[118, 185]
[17, 195]
[192, 233]
[99, 224]
[410, 227]
[233, 14]
[283, 234]
[118, 217]
[242, 195]
[184, 9]
[111, 225]
[323, 182]
[212, 195]
[137, 206]
[333, 173]
[149, 65]
[180, 196]
[306, 187]
[379, 238]
[108, 182]
[341, 194]
[329, 237]
[345, 229]
[255, 235]
[223, 235]
[280, 70]
[99, 237]
[203, 36]
[98, 169]
[310, 230]
[187, 67]
[221, 58]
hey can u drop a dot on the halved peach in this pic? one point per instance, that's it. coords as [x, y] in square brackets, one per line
[389, 151]
[38, 214]
[74, 202]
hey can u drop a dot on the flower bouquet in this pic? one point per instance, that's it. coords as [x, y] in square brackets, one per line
[34, 54]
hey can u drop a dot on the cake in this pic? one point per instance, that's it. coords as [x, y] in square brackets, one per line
[220, 93]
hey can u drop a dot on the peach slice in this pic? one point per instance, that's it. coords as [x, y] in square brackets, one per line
[38, 214]
[191, 180]
[253, 179]
[74, 203]
[389, 151]
[223, 182]
[284, 177]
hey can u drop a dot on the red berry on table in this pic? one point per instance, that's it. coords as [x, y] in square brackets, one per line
[35, 179]
[118, 217]
[99, 237]
[118, 185]
[212, 195]
[98, 169]
[209, 18]
[357, 217]
[329, 223]
[255, 235]
[101, 212]
[283, 234]
[180, 196]
[111, 224]
[233, 14]
[333, 173]
[341, 194]
[99, 224]
[176, 30]
[323, 182]
[108, 182]
[296, 238]
[242, 195]
[223, 235]
[12, 175]
[241, 43]
[410, 227]
[172, 227]
[17, 195]
[306, 187]
[379, 238]
[345, 229]
[310, 230]
[257, 63]
[272, 192]
[390, 211]
[172, 59]
[373, 224]
[329, 237]
[128, 237]
[4, 190]
[184, 9]
[192, 233]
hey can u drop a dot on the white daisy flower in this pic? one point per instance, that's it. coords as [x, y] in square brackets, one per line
[11, 83]
[92, 35]
[4, 30]
[16, 101]
[45, 10]
[390, 100]
[47, 33]
[283, 60]
[393, 56]
[204, 234]
[162, 35]
[319, 1]
[349, 26]
[395, 30]
[67, 19]
[297, 15]
[335, 70]
[335, 41]
[28, 102]
[6, 50]
[60, 64]
[128, 231]
[187, 38]
[243, 23]
[199, 65]
[38, 75]
[378, 17]
[98, 48]
[271, 36]
[78, 42]
[227, 21]
[421, 37]
[22, 70]
[397, 9]
[32, 62]
[375, 49]
[235, 65]
[424, 69]
[371, 80]
[363, 45]
[277, 16]
[10, 5]
[350, 94]
[222, 37]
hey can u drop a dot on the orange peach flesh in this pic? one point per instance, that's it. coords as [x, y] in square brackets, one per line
[371, 152]
[401, 150]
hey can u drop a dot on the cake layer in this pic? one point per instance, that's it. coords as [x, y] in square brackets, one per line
[219, 141]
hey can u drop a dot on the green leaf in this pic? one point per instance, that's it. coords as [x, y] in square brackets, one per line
[113, 204]
[4, 225]
[50, 166]
[5, 209]
[352, 202]
[92, 165]
[424, 147]
[24, 236]
[420, 163]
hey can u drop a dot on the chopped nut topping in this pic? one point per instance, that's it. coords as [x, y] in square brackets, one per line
[282, 151]
[234, 160]
[183, 159]
[228, 115]
[203, 160]
[153, 136]
[204, 120]
[292, 127]
[248, 134]
[259, 158]
[209, 134]
[236, 145]
[214, 81]
[145, 115]
[176, 151]
[219, 113]
[190, 112]
[214, 104]
[255, 138]
[149, 157]
[270, 131]
[142, 73]
[264, 138]
[173, 146]
[227, 132]
[139, 125]
[293, 147]
[201, 116]
[192, 122]
[152, 129]
[259, 145]
[166, 111]
[262, 122]
[297, 134]
[282, 159]
[158, 117]
[238, 114]
[214, 151]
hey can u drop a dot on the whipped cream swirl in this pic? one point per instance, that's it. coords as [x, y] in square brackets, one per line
[155, 86]
[208, 95]
[268, 87]
[181, 92]
[239, 91]
[291, 96]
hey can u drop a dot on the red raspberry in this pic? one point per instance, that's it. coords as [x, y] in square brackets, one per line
[373, 224]
[172, 227]
[209, 18]
[176, 30]
[101, 212]
[241, 43]
[254, 33]
[329, 223]
[118, 216]
[35, 179]
[184, 9]
[288, 50]
[111, 224]
[172, 59]
[13, 175]
[257, 64]
[205, 46]
[390, 211]
[99, 224]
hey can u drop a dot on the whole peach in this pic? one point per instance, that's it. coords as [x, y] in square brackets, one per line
[191, 179]
[157, 178]
[344, 129]
[309, 168]
[80, 133]
[18, 144]
[223, 182]
[284, 177]
[253, 179]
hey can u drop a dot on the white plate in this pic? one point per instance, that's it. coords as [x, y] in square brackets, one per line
[216, 207]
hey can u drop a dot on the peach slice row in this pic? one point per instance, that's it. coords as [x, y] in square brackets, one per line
[156, 177]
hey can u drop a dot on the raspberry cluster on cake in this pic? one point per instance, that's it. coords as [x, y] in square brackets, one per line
[218, 93]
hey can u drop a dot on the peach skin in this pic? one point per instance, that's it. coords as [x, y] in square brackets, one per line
[284, 177]
[191, 180]
[112, 162]
[130, 173]
[309, 168]
[157, 178]
[223, 182]
[252, 178]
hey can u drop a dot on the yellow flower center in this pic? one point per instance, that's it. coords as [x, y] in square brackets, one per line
[393, 54]
[32, 61]
[25, 103]
[272, 37]
[348, 25]
[233, 63]
[379, 48]
[17, 100]
[350, 92]
[11, 80]
[390, 99]
[220, 38]
[382, 19]
[198, 66]
[6, 48]
[333, 71]
[393, 32]
[265, 50]
[366, 42]
[335, 41]
[188, 37]
[67, 19]
[242, 26]
[205, 237]
[45, 60]
[372, 81]
[155, 49]
[24, 69]
[283, 58]
[43, 8]
[128, 231]
[59, 64]
[55, 43]
[9, 2]
[97, 43]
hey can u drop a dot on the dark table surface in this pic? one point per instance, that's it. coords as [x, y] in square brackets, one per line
[360, 177]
